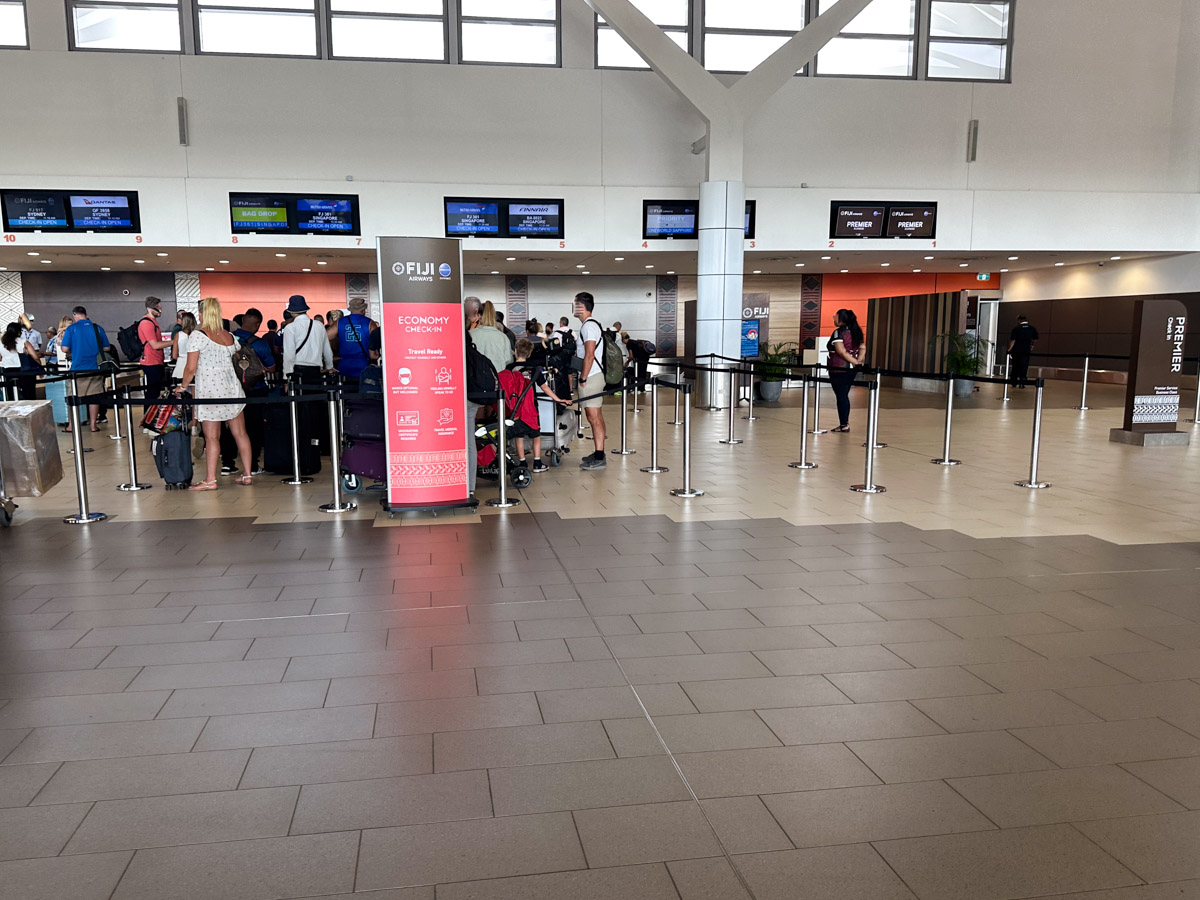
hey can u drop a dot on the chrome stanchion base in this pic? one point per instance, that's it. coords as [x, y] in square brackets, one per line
[800, 465]
[116, 437]
[338, 507]
[868, 488]
[819, 431]
[654, 470]
[877, 446]
[295, 481]
[1081, 408]
[730, 441]
[85, 450]
[502, 504]
[689, 492]
[622, 452]
[1032, 485]
[134, 487]
[680, 423]
[84, 520]
[946, 462]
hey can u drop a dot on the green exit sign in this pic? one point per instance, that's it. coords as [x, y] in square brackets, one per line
[984, 276]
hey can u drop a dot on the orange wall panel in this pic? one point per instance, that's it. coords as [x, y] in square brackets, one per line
[238, 291]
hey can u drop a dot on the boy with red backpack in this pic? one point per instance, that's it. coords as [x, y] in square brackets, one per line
[520, 402]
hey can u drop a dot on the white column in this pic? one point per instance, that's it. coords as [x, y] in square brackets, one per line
[719, 264]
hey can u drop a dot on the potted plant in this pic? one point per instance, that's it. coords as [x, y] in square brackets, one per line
[964, 355]
[771, 369]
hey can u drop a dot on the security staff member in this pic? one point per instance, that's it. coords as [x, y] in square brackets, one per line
[1022, 340]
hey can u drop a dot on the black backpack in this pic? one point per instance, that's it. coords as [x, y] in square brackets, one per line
[131, 344]
[483, 385]
[567, 341]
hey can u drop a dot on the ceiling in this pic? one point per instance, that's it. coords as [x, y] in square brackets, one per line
[563, 262]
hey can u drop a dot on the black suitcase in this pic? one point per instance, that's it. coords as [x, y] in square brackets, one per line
[173, 457]
[363, 420]
[277, 442]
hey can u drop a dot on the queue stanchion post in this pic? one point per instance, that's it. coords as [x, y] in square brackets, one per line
[116, 435]
[817, 429]
[731, 437]
[294, 415]
[945, 459]
[712, 384]
[803, 462]
[335, 460]
[85, 514]
[750, 416]
[503, 501]
[133, 484]
[687, 490]
[1087, 363]
[637, 389]
[1195, 419]
[679, 384]
[1033, 483]
[624, 451]
[876, 398]
[75, 445]
[654, 468]
[869, 486]
[1007, 376]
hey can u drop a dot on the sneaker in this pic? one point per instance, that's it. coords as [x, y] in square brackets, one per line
[591, 462]
[258, 470]
[539, 466]
[229, 470]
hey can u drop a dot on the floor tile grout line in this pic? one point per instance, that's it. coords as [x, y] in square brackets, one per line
[1087, 838]
[91, 807]
[658, 735]
[124, 872]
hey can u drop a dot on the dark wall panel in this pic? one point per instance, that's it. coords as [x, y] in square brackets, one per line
[113, 299]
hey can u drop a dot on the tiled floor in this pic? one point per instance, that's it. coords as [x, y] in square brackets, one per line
[782, 690]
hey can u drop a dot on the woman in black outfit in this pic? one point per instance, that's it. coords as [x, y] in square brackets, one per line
[846, 351]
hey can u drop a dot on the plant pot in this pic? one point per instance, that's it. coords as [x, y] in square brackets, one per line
[963, 387]
[770, 391]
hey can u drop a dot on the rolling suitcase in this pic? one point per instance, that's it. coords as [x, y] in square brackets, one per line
[367, 459]
[173, 457]
[363, 420]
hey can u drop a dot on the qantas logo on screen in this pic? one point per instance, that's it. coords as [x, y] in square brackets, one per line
[421, 271]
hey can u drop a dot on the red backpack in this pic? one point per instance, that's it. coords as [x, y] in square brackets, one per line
[520, 405]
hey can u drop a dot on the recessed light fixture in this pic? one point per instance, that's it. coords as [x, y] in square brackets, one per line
[495, 272]
[1002, 271]
[3, 268]
[33, 253]
[916, 270]
[1114, 258]
[306, 270]
[587, 273]
[618, 259]
[105, 269]
[929, 257]
[510, 259]
[757, 271]
[963, 265]
[581, 267]
[826, 257]
[140, 262]
[223, 262]
[1013, 258]
[845, 271]
[799, 265]
[281, 255]
[672, 272]
[321, 262]
[45, 262]
[209, 269]
[1060, 264]
[885, 265]
[649, 267]
[162, 254]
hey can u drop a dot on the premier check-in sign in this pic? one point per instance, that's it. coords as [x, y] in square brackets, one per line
[424, 365]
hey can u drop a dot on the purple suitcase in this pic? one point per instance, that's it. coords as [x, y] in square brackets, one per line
[367, 459]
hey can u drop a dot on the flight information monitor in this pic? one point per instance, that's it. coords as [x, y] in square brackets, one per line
[35, 211]
[858, 220]
[465, 217]
[913, 221]
[332, 214]
[327, 215]
[751, 211]
[669, 219]
[104, 212]
[534, 218]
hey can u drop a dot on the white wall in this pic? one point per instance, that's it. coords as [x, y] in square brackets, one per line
[1126, 278]
[629, 300]
[1103, 114]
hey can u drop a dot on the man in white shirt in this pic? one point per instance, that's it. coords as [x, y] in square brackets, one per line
[590, 350]
[306, 350]
[29, 333]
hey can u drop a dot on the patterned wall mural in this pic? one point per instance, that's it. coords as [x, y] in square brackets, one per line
[516, 292]
[187, 292]
[666, 328]
[810, 311]
[12, 302]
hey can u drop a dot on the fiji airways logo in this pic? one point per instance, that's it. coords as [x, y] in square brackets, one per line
[421, 271]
